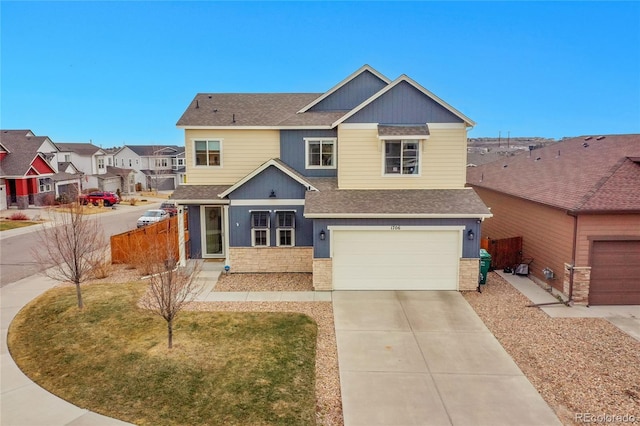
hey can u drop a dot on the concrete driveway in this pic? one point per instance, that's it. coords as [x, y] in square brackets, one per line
[426, 358]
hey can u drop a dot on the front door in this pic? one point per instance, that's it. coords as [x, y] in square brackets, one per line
[213, 241]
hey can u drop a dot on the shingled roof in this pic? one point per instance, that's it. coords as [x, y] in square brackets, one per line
[249, 109]
[84, 149]
[440, 203]
[582, 174]
[23, 149]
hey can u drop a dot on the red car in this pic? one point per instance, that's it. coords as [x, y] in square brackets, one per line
[170, 208]
[108, 198]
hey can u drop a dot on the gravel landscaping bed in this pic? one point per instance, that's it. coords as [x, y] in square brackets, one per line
[265, 282]
[578, 365]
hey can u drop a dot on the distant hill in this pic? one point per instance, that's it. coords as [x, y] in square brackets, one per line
[485, 150]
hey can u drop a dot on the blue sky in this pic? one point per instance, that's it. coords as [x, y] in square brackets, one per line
[123, 72]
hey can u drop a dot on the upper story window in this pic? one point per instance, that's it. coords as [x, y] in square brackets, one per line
[110, 160]
[208, 152]
[177, 162]
[161, 162]
[260, 221]
[101, 163]
[67, 158]
[402, 157]
[320, 153]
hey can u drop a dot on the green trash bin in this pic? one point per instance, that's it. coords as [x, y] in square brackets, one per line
[485, 264]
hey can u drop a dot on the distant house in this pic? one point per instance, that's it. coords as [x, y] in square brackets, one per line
[97, 166]
[29, 173]
[362, 185]
[576, 204]
[159, 167]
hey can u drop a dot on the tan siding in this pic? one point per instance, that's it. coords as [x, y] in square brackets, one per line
[547, 233]
[242, 152]
[603, 226]
[442, 164]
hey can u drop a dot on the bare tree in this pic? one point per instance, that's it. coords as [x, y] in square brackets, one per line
[170, 287]
[70, 246]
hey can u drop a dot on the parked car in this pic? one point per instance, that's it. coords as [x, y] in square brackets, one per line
[169, 207]
[108, 198]
[152, 216]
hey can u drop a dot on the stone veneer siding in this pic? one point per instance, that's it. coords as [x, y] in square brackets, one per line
[581, 282]
[469, 273]
[271, 259]
[322, 274]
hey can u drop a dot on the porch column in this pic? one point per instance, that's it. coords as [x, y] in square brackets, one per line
[22, 193]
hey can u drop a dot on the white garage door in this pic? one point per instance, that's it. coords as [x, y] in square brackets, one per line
[395, 259]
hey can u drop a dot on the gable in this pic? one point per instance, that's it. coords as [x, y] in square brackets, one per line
[41, 166]
[352, 93]
[270, 179]
[404, 104]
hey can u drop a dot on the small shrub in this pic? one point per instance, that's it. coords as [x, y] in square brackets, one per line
[133, 201]
[19, 216]
[101, 269]
[63, 199]
[48, 200]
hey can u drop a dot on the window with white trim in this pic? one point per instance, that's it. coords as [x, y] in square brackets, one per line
[260, 221]
[101, 163]
[161, 162]
[67, 158]
[208, 152]
[320, 153]
[44, 185]
[286, 232]
[402, 157]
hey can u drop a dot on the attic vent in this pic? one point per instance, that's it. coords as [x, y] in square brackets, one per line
[587, 138]
[197, 104]
[585, 144]
[599, 138]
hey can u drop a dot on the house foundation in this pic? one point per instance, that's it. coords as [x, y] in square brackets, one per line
[271, 259]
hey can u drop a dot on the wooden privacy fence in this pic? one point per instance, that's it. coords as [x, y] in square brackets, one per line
[504, 252]
[152, 240]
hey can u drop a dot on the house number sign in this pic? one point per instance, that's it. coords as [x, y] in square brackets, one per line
[395, 227]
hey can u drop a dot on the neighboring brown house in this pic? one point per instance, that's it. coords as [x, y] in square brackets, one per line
[575, 203]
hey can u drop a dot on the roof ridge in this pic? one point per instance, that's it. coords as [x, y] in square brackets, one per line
[600, 183]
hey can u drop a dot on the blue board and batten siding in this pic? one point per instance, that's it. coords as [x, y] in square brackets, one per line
[470, 248]
[259, 188]
[351, 94]
[270, 179]
[293, 150]
[240, 225]
[404, 105]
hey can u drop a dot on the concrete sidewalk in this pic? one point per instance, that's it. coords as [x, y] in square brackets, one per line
[426, 358]
[625, 317]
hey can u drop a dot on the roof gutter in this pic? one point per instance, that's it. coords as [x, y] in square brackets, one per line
[396, 216]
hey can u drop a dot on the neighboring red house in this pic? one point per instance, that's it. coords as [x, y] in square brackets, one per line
[28, 169]
[576, 205]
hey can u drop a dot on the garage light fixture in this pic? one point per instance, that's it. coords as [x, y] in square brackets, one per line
[323, 235]
[470, 235]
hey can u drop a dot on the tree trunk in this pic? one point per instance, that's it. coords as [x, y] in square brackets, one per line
[170, 333]
[79, 294]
